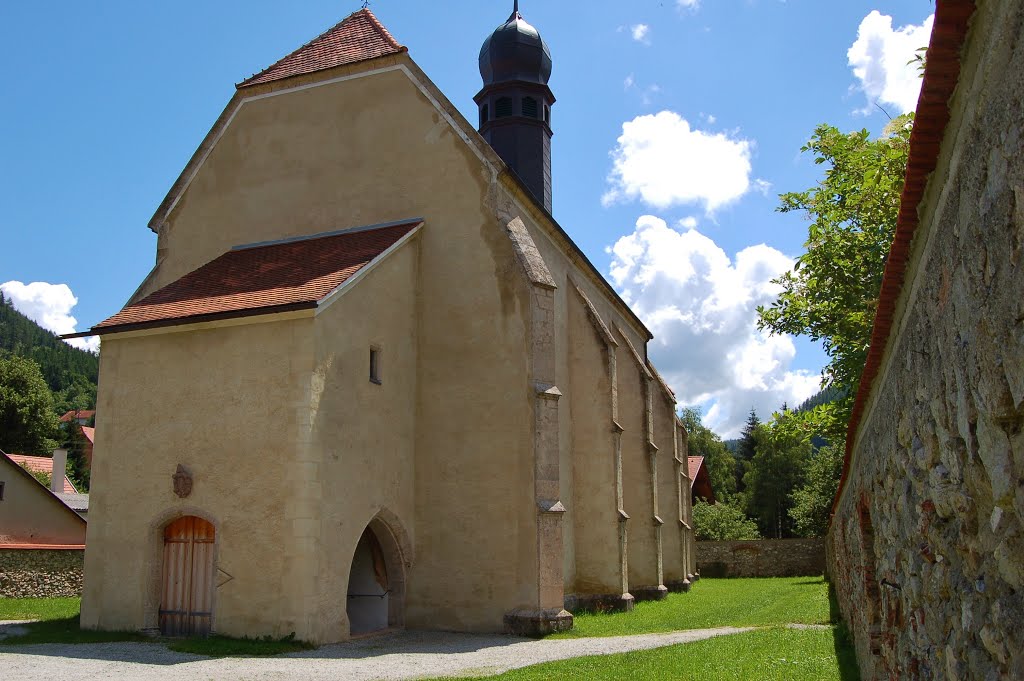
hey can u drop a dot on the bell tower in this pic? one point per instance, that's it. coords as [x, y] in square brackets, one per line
[515, 103]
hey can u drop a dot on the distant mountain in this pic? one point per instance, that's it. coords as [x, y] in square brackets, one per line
[71, 373]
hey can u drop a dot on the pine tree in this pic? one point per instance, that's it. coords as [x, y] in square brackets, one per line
[746, 448]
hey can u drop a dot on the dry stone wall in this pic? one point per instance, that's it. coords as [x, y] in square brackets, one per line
[41, 573]
[761, 558]
[927, 545]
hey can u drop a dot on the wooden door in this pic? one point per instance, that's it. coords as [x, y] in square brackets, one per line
[186, 601]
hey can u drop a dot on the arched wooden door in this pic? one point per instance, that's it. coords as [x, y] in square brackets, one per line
[186, 600]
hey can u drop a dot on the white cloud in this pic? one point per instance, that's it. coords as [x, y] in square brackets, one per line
[640, 33]
[688, 4]
[879, 59]
[701, 307]
[629, 82]
[49, 305]
[662, 161]
[689, 222]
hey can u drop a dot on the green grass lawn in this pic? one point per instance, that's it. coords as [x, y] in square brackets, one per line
[718, 603]
[38, 608]
[774, 654]
[59, 624]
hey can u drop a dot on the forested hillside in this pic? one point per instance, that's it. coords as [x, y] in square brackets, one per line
[70, 373]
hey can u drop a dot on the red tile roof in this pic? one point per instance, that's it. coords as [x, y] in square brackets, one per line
[42, 547]
[693, 464]
[40, 464]
[77, 414]
[941, 74]
[262, 278]
[357, 38]
[90, 434]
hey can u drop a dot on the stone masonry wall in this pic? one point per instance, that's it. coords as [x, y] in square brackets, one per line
[761, 558]
[41, 573]
[926, 548]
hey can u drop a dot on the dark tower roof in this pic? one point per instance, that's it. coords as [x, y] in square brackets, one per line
[515, 51]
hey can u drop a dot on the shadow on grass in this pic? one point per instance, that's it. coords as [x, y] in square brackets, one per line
[225, 646]
[842, 640]
[66, 630]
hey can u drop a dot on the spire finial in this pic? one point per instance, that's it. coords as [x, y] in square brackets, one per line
[515, 6]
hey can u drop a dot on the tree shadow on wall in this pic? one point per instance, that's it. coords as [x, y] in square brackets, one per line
[842, 640]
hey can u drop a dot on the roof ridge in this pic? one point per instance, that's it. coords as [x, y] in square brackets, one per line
[381, 28]
[373, 21]
[324, 235]
[296, 50]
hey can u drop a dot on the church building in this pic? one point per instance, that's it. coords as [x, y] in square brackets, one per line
[370, 382]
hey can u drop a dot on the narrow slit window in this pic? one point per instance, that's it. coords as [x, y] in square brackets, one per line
[484, 115]
[547, 114]
[2, 490]
[375, 365]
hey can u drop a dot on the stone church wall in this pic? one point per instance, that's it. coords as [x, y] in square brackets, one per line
[761, 558]
[927, 543]
[41, 573]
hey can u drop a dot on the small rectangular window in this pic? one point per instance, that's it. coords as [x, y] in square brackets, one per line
[375, 365]
[2, 491]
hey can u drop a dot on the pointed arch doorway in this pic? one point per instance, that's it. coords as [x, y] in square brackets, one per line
[376, 583]
[186, 591]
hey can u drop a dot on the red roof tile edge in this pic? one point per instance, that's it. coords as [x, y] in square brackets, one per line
[41, 547]
[197, 319]
[941, 75]
[258, 78]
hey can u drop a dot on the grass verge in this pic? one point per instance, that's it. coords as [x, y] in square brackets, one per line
[224, 646]
[38, 608]
[58, 623]
[66, 630]
[717, 603]
[773, 654]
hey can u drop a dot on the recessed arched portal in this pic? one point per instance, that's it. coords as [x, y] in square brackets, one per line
[376, 582]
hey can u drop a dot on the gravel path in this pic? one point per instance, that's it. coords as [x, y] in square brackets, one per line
[400, 655]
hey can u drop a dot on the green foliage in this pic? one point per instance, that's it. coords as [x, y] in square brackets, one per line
[775, 471]
[78, 466]
[42, 477]
[70, 373]
[812, 502]
[746, 448]
[722, 521]
[832, 292]
[28, 424]
[719, 462]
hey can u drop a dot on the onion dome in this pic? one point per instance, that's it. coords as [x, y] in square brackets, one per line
[515, 51]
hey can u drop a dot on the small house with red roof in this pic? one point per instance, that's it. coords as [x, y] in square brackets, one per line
[370, 381]
[700, 480]
[33, 515]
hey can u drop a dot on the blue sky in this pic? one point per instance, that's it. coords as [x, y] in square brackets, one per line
[107, 101]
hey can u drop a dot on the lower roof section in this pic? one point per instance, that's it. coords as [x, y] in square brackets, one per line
[263, 278]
